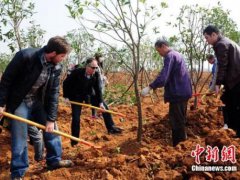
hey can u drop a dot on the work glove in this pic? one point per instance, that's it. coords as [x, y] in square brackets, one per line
[217, 89]
[145, 91]
[101, 105]
[2, 109]
[66, 101]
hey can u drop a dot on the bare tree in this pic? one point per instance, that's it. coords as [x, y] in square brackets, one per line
[122, 22]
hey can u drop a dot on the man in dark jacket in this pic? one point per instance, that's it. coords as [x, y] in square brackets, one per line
[177, 88]
[228, 55]
[78, 87]
[29, 88]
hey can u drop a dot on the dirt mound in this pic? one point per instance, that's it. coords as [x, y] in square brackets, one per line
[121, 157]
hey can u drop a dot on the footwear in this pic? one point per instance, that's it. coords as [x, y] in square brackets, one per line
[225, 126]
[115, 130]
[96, 116]
[60, 164]
[17, 178]
[74, 143]
[39, 159]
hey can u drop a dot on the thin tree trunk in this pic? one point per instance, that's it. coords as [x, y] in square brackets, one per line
[139, 109]
[17, 37]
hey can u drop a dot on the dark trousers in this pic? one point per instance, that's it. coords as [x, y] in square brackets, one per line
[76, 113]
[225, 114]
[231, 99]
[91, 99]
[177, 117]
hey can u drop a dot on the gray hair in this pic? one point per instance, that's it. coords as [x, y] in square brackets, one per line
[161, 42]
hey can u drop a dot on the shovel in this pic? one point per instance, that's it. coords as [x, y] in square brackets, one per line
[94, 107]
[202, 94]
[11, 116]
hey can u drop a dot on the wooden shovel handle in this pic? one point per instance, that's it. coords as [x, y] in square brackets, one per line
[11, 116]
[94, 107]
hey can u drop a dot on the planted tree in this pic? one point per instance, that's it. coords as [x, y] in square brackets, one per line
[119, 21]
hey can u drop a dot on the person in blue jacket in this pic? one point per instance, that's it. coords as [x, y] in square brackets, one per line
[212, 86]
[213, 60]
[175, 79]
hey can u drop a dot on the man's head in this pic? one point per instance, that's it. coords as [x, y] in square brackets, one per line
[210, 58]
[91, 66]
[162, 47]
[211, 34]
[57, 49]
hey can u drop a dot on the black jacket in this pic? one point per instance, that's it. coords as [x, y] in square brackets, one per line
[228, 56]
[77, 85]
[19, 77]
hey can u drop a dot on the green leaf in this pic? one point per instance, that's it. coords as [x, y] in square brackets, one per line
[11, 47]
[80, 10]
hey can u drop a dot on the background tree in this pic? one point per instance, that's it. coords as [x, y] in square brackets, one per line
[82, 44]
[119, 21]
[4, 60]
[34, 37]
[12, 13]
[221, 19]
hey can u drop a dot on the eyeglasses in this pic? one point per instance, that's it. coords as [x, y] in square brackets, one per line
[93, 67]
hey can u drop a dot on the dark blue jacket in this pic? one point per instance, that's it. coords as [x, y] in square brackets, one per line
[19, 77]
[174, 78]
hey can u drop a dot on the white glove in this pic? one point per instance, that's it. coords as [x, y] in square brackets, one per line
[145, 91]
[102, 106]
[66, 101]
[2, 109]
[217, 89]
